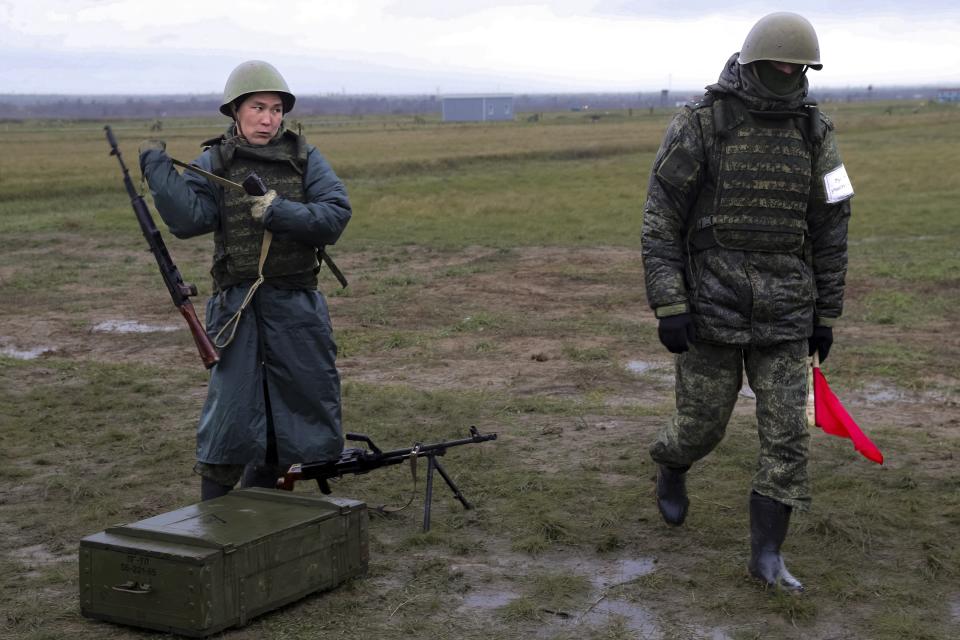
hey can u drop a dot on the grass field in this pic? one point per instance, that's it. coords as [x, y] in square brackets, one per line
[495, 281]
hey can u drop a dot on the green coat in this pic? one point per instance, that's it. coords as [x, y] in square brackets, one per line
[739, 296]
[283, 348]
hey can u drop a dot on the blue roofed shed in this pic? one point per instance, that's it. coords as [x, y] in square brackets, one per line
[477, 107]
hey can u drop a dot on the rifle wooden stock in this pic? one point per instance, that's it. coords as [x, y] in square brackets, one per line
[180, 291]
[208, 353]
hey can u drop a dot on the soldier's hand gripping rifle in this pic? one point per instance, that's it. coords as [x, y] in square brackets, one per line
[359, 461]
[179, 290]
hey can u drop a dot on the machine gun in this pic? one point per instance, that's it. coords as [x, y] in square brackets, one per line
[179, 290]
[359, 461]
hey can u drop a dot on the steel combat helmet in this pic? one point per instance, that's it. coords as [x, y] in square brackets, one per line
[255, 76]
[783, 37]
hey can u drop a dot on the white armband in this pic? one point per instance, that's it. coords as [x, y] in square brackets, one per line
[836, 184]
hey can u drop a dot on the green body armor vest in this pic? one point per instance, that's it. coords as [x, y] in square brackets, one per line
[237, 242]
[763, 183]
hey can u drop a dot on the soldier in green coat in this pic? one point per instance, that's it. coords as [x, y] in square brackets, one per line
[745, 255]
[274, 397]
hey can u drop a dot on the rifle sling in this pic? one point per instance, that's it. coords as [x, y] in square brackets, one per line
[384, 509]
[234, 321]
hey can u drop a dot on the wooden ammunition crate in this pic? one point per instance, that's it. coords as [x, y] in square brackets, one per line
[217, 564]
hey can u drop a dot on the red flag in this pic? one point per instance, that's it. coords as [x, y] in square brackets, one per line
[834, 419]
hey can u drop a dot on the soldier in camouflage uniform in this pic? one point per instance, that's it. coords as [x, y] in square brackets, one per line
[274, 397]
[745, 254]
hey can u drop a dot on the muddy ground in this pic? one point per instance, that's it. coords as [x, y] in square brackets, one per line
[560, 323]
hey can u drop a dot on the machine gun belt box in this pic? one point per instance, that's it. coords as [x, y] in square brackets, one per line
[217, 564]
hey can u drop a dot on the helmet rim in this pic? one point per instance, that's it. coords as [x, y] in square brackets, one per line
[255, 76]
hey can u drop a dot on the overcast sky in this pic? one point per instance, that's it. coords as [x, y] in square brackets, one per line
[452, 46]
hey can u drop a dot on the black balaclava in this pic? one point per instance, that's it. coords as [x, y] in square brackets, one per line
[776, 81]
[741, 80]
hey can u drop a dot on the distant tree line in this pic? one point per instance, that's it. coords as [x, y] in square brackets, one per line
[28, 107]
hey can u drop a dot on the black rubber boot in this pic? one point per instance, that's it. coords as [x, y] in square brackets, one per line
[769, 520]
[264, 476]
[210, 489]
[672, 493]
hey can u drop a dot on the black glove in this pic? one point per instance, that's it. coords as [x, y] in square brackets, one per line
[820, 341]
[676, 332]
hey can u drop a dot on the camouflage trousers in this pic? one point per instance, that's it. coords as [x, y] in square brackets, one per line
[709, 377]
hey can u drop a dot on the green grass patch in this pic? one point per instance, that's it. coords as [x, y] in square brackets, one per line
[498, 268]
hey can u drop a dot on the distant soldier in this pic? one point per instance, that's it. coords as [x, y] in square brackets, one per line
[274, 397]
[745, 255]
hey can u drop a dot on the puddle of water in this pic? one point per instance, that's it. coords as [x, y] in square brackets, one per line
[879, 394]
[35, 555]
[639, 366]
[955, 608]
[643, 366]
[131, 326]
[635, 618]
[607, 574]
[661, 372]
[875, 393]
[34, 558]
[747, 392]
[623, 571]
[25, 354]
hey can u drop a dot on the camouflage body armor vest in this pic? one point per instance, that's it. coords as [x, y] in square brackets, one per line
[762, 188]
[237, 242]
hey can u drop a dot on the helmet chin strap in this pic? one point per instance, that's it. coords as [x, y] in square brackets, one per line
[236, 119]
